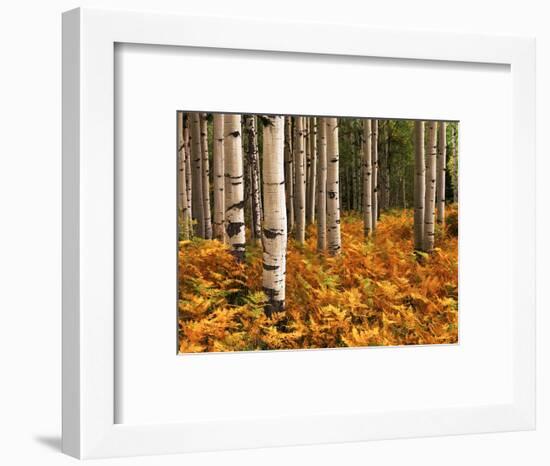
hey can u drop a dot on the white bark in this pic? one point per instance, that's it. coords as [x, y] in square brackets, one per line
[441, 170]
[333, 190]
[254, 171]
[187, 161]
[367, 177]
[300, 184]
[289, 175]
[206, 177]
[234, 214]
[429, 204]
[274, 222]
[374, 151]
[321, 185]
[219, 177]
[455, 162]
[312, 142]
[419, 185]
[182, 186]
[196, 160]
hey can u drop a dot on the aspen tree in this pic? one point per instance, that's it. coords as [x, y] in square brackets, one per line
[441, 170]
[374, 152]
[187, 163]
[312, 186]
[289, 175]
[430, 176]
[367, 177]
[182, 188]
[300, 183]
[455, 162]
[359, 167]
[254, 166]
[234, 213]
[274, 223]
[355, 175]
[321, 185]
[333, 191]
[307, 131]
[205, 177]
[419, 185]
[348, 186]
[219, 177]
[386, 167]
[196, 160]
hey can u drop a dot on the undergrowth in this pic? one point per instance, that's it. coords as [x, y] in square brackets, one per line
[377, 292]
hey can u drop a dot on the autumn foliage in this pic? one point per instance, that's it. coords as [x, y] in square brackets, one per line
[377, 292]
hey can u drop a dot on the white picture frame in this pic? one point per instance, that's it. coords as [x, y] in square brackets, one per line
[89, 336]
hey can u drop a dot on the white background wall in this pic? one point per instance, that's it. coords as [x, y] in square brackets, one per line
[30, 226]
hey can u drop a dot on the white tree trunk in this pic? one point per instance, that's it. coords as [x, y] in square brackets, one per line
[321, 185]
[419, 185]
[431, 173]
[367, 177]
[289, 175]
[386, 168]
[187, 161]
[234, 214]
[206, 177]
[455, 162]
[307, 149]
[196, 160]
[254, 170]
[300, 184]
[333, 190]
[374, 182]
[219, 177]
[441, 170]
[182, 186]
[274, 225]
[312, 141]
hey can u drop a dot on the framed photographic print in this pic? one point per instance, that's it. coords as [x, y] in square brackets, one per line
[275, 238]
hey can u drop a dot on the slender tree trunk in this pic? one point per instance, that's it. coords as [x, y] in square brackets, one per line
[441, 170]
[312, 171]
[374, 151]
[300, 184]
[359, 169]
[321, 185]
[387, 155]
[205, 177]
[349, 186]
[219, 178]
[381, 166]
[253, 163]
[419, 185]
[274, 227]
[234, 213]
[367, 177]
[356, 172]
[187, 161]
[455, 163]
[431, 173]
[333, 191]
[307, 149]
[182, 187]
[289, 175]
[196, 158]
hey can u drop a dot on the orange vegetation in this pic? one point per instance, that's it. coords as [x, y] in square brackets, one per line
[378, 292]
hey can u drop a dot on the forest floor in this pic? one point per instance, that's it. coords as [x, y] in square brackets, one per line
[376, 293]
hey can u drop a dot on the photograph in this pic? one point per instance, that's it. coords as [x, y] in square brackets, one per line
[308, 232]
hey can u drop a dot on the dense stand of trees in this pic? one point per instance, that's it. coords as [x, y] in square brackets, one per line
[273, 176]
